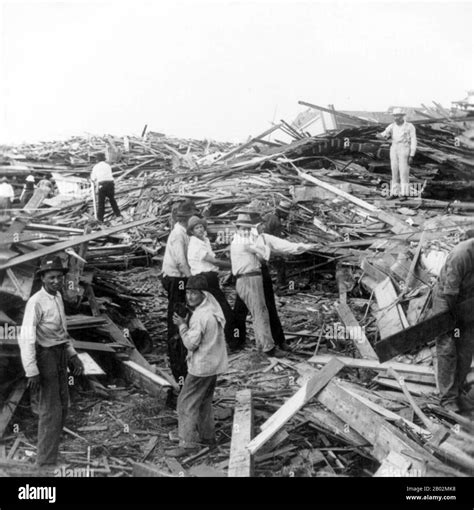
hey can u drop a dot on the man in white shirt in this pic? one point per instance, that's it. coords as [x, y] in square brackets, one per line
[6, 195]
[46, 349]
[176, 272]
[103, 179]
[402, 152]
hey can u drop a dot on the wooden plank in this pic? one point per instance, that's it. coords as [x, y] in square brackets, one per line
[332, 111]
[151, 382]
[394, 465]
[240, 459]
[356, 333]
[71, 243]
[398, 225]
[141, 469]
[422, 390]
[247, 144]
[11, 404]
[390, 317]
[421, 333]
[294, 404]
[378, 432]
[405, 368]
[90, 366]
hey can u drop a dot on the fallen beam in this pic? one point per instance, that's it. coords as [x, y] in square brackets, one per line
[71, 242]
[356, 333]
[11, 404]
[421, 333]
[240, 460]
[405, 368]
[294, 404]
[149, 470]
[153, 383]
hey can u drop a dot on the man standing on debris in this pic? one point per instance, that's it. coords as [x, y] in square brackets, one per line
[176, 271]
[402, 152]
[202, 260]
[28, 190]
[6, 195]
[245, 257]
[454, 350]
[207, 358]
[103, 179]
[46, 349]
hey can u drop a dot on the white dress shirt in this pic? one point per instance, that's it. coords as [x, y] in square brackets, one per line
[44, 322]
[197, 250]
[242, 254]
[175, 262]
[6, 190]
[404, 134]
[272, 244]
[102, 171]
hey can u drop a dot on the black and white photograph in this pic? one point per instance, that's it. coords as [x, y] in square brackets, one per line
[237, 241]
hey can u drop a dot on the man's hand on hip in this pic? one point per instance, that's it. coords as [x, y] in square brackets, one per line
[34, 382]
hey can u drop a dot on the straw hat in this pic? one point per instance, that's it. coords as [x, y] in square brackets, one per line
[398, 111]
[244, 220]
[193, 221]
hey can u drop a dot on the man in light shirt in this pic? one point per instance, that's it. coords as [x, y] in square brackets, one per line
[46, 349]
[6, 195]
[103, 179]
[176, 271]
[402, 152]
[207, 358]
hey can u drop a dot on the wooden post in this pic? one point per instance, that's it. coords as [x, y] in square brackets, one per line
[240, 460]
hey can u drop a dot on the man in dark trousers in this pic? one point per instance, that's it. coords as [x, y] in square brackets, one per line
[46, 349]
[102, 178]
[455, 349]
[176, 272]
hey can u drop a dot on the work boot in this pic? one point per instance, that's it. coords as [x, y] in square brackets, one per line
[276, 352]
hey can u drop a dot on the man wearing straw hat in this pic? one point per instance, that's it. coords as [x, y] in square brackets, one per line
[46, 349]
[245, 258]
[176, 271]
[402, 152]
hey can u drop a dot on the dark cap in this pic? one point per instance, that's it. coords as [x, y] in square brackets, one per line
[51, 263]
[197, 282]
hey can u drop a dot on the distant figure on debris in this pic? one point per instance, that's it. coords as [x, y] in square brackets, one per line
[207, 357]
[102, 177]
[402, 152]
[176, 272]
[202, 261]
[7, 196]
[454, 350]
[28, 190]
[46, 349]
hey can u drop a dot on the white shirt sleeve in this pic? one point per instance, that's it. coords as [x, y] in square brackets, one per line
[387, 131]
[283, 246]
[27, 339]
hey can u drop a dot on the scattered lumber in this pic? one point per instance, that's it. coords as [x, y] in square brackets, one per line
[240, 461]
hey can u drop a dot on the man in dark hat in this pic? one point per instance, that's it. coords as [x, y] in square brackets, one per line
[46, 349]
[175, 274]
[207, 357]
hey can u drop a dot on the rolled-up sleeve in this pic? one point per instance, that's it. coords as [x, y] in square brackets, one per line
[27, 338]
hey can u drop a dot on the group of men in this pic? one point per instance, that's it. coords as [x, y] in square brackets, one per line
[201, 324]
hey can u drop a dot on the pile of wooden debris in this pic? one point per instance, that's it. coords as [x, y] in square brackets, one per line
[334, 406]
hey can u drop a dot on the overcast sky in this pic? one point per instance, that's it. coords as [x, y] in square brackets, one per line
[220, 69]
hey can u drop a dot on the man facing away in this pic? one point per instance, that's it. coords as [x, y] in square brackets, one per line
[46, 349]
[402, 152]
[103, 179]
[455, 349]
[207, 357]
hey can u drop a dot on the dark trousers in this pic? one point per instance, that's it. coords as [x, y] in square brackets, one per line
[195, 412]
[241, 311]
[176, 289]
[215, 289]
[53, 401]
[454, 352]
[106, 189]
